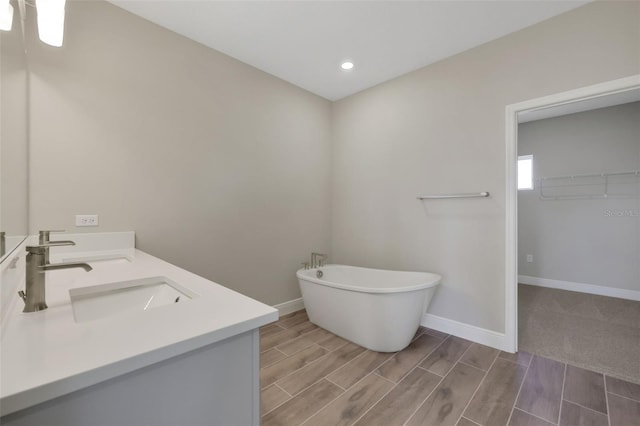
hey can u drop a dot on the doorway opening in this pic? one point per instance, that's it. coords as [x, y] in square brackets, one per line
[601, 95]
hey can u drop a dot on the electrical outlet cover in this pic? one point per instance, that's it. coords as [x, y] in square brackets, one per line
[86, 220]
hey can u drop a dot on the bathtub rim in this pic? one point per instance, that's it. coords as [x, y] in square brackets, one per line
[435, 280]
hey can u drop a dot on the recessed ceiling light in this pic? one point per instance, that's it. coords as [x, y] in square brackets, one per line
[347, 66]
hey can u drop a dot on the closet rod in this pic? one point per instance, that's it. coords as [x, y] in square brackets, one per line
[630, 172]
[443, 196]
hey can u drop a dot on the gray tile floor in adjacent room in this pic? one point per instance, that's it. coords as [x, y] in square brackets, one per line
[312, 377]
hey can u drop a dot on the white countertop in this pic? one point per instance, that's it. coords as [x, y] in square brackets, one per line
[47, 354]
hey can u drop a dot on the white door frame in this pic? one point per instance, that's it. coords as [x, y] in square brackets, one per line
[511, 199]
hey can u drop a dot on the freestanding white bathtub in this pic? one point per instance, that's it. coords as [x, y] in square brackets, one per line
[378, 309]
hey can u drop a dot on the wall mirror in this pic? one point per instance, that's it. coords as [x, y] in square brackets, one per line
[13, 136]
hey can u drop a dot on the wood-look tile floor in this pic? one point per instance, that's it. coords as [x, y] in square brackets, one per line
[310, 376]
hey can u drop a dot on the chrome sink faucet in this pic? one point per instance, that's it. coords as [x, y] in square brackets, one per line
[43, 240]
[317, 260]
[34, 294]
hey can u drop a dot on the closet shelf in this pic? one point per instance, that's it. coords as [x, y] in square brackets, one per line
[623, 184]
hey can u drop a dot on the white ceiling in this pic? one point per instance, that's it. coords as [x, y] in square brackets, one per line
[304, 42]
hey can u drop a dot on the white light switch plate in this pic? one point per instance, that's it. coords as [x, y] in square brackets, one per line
[86, 220]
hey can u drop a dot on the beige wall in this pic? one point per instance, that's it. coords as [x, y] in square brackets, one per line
[219, 168]
[589, 241]
[441, 129]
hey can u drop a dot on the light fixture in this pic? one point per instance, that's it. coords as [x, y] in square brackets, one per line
[347, 65]
[51, 21]
[6, 15]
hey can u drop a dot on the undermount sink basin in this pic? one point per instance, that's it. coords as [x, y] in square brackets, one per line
[110, 259]
[105, 300]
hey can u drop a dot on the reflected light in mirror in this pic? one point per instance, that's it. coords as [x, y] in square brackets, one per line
[51, 21]
[6, 15]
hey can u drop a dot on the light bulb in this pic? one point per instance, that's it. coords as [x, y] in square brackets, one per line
[347, 66]
[51, 21]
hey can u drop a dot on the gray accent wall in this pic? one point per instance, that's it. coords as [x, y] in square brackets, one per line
[220, 168]
[572, 237]
[441, 129]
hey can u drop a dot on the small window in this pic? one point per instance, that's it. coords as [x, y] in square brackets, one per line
[525, 172]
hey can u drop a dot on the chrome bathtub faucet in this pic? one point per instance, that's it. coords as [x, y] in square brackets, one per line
[34, 294]
[317, 260]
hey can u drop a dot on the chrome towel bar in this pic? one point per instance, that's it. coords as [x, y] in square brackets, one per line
[443, 196]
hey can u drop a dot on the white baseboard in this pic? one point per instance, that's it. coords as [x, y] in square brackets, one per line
[290, 306]
[580, 287]
[466, 331]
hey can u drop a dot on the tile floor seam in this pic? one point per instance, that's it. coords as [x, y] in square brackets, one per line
[353, 360]
[394, 385]
[437, 374]
[304, 389]
[312, 343]
[463, 354]
[486, 374]
[274, 324]
[508, 360]
[323, 377]
[294, 371]
[429, 371]
[454, 362]
[533, 415]
[334, 383]
[373, 373]
[301, 349]
[420, 361]
[276, 348]
[382, 377]
[606, 399]
[435, 335]
[469, 420]
[292, 325]
[438, 384]
[586, 408]
[425, 400]
[269, 365]
[334, 399]
[277, 406]
[622, 396]
[473, 366]
[276, 385]
[515, 362]
[515, 401]
[447, 338]
[333, 350]
[321, 408]
[417, 336]
[275, 334]
[564, 381]
[308, 387]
